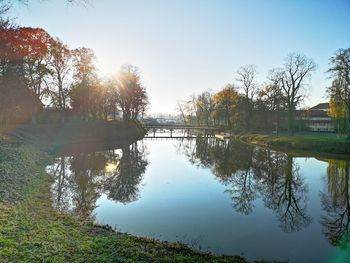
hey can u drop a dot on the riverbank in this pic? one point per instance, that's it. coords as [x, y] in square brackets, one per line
[301, 144]
[78, 135]
[31, 230]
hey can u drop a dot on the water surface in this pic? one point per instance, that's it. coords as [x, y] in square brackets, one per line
[224, 197]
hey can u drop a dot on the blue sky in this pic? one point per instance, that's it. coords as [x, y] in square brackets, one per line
[188, 46]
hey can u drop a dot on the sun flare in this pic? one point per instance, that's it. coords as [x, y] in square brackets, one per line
[110, 167]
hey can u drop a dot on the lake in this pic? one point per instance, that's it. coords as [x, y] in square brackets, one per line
[223, 197]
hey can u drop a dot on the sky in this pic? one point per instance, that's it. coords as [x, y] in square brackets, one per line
[184, 47]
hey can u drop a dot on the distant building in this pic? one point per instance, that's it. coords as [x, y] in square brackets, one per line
[162, 119]
[316, 118]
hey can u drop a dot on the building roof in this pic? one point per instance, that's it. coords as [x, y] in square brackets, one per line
[312, 113]
[321, 106]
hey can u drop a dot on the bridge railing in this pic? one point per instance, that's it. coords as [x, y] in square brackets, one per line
[178, 126]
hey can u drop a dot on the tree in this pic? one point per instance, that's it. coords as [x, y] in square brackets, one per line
[110, 99]
[296, 69]
[272, 97]
[191, 105]
[131, 94]
[139, 103]
[204, 107]
[83, 62]
[35, 66]
[87, 99]
[87, 93]
[18, 46]
[188, 110]
[59, 81]
[4, 20]
[340, 69]
[181, 108]
[227, 102]
[247, 78]
[337, 108]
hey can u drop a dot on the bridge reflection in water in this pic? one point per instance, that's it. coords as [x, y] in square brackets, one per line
[179, 131]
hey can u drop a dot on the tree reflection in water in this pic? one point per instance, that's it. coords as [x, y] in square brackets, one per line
[250, 172]
[80, 180]
[87, 175]
[292, 199]
[123, 184]
[336, 204]
[60, 170]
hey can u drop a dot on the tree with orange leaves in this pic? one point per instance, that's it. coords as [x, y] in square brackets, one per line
[22, 50]
[227, 103]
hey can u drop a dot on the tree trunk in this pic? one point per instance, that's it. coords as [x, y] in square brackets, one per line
[34, 119]
[277, 122]
[348, 122]
[2, 122]
[34, 111]
[291, 121]
[63, 116]
[248, 117]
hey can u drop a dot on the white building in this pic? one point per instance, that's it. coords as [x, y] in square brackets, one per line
[317, 119]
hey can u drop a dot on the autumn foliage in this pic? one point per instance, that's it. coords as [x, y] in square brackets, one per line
[23, 42]
[37, 71]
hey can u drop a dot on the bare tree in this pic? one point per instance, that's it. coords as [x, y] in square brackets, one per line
[247, 79]
[4, 8]
[180, 107]
[60, 61]
[192, 108]
[296, 70]
[35, 65]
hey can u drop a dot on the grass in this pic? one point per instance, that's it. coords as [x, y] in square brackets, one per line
[309, 144]
[31, 230]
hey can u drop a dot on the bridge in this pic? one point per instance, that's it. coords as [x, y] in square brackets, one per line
[207, 131]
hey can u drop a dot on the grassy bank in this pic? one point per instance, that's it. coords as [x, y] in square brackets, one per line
[96, 134]
[301, 144]
[32, 231]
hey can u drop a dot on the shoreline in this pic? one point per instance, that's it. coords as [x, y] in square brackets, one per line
[308, 145]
